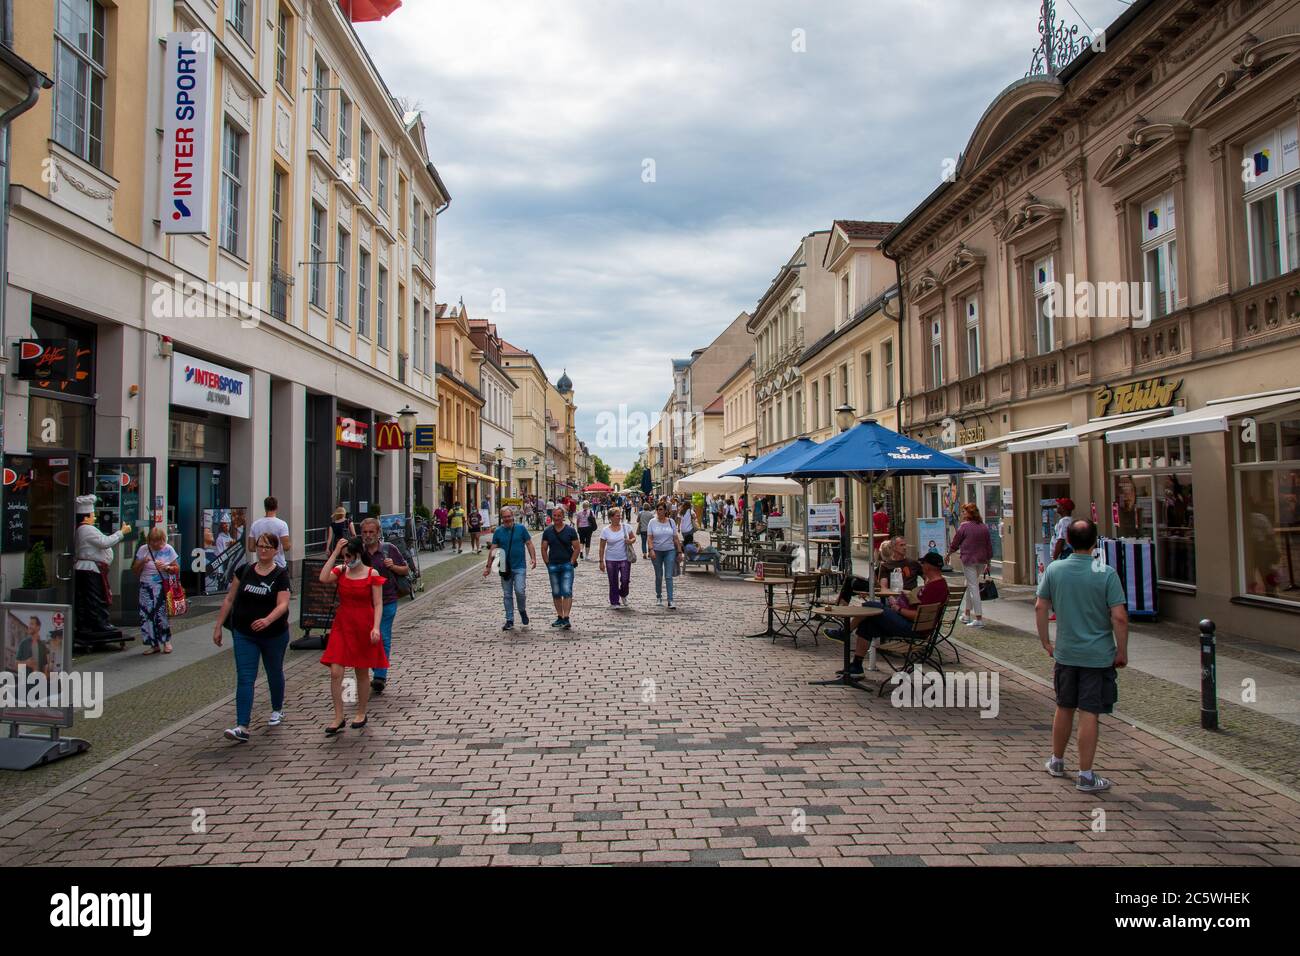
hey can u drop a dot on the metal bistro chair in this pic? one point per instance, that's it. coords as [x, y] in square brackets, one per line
[796, 614]
[919, 644]
[948, 622]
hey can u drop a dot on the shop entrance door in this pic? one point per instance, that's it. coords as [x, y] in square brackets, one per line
[125, 489]
[52, 518]
[196, 491]
[987, 496]
[1045, 494]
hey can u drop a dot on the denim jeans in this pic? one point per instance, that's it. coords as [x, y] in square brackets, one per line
[513, 591]
[386, 631]
[665, 564]
[645, 538]
[248, 651]
[561, 579]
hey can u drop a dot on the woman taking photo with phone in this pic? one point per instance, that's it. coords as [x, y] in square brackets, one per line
[355, 640]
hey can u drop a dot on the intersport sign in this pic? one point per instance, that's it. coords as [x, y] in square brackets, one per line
[187, 123]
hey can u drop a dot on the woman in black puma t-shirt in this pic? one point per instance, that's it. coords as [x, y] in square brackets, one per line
[258, 606]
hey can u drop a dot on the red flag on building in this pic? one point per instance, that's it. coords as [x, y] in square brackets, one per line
[364, 11]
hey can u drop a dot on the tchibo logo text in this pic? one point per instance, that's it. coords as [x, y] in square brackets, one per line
[76, 909]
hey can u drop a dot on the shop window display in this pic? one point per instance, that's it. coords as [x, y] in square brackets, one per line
[1268, 520]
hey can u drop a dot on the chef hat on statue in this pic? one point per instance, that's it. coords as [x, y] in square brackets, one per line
[85, 504]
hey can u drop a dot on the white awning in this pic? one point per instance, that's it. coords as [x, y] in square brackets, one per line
[1071, 437]
[711, 481]
[1213, 417]
[977, 446]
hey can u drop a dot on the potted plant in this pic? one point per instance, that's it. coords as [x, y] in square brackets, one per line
[36, 580]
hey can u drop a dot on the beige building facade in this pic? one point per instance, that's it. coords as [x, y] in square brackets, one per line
[259, 356]
[1102, 305]
[739, 423]
[797, 309]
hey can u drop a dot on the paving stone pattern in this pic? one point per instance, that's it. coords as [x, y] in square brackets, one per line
[645, 737]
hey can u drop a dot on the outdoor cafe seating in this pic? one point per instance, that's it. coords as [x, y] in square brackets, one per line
[866, 452]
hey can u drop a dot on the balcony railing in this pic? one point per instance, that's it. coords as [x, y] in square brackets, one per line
[1268, 308]
[1167, 340]
[280, 282]
[1044, 373]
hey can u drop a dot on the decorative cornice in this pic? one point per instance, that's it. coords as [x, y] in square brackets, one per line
[1033, 212]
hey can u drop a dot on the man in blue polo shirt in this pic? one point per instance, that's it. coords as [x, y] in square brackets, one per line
[512, 540]
[1091, 642]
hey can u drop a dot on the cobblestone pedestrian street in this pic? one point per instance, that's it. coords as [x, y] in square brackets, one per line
[644, 736]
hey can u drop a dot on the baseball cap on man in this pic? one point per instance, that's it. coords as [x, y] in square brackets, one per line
[1065, 504]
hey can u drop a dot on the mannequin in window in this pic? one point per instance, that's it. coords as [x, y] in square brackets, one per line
[94, 553]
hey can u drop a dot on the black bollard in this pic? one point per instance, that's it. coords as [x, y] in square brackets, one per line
[1209, 679]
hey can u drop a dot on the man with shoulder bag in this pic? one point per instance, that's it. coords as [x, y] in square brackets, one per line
[506, 555]
[387, 560]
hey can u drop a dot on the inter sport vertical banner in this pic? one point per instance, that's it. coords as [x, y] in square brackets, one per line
[187, 121]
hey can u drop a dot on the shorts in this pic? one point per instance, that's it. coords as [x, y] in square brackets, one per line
[1091, 689]
[456, 534]
[561, 579]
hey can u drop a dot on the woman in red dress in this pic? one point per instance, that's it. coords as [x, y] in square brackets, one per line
[354, 640]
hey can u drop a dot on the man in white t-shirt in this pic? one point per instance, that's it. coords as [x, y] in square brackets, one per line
[1060, 546]
[271, 524]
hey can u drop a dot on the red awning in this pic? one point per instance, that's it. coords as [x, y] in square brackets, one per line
[598, 486]
[364, 11]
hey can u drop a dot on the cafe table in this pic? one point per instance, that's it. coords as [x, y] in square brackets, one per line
[851, 615]
[771, 582]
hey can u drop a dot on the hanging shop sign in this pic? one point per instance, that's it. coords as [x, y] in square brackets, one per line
[350, 433]
[198, 383]
[188, 95]
[425, 440]
[46, 360]
[388, 437]
[1135, 396]
[447, 472]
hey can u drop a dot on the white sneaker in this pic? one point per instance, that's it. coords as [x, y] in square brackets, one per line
[1097, 784]
[237, 734]
[276, 719]
[975, 623]
[659, 602]
[671, 606]
[1055, 767]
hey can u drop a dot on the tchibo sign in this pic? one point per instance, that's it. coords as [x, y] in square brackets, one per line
[197, 383]
[187, 108]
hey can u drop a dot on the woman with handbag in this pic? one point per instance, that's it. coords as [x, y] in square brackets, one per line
[258, 606]
[666, 552]
[975, 545]
[617, 552]
[157, 565]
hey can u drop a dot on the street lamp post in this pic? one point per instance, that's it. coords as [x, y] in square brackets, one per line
[406, 422]
[500, 452]
[845, 416]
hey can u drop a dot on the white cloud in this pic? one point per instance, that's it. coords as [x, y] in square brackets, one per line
[540, 115]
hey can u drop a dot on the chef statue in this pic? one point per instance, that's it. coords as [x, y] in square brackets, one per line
[94, 553]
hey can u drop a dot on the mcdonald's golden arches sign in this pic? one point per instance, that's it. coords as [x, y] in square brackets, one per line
[388, 437]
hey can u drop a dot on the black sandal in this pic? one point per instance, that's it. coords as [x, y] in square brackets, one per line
[337, 729]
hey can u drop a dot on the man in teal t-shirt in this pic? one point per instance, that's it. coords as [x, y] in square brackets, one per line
[1091, 642]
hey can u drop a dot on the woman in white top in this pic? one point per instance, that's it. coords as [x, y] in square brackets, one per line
[615, 559]
[666, 551]
[154, 560]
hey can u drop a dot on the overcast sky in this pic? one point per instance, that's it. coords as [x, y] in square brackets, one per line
[541, 117]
